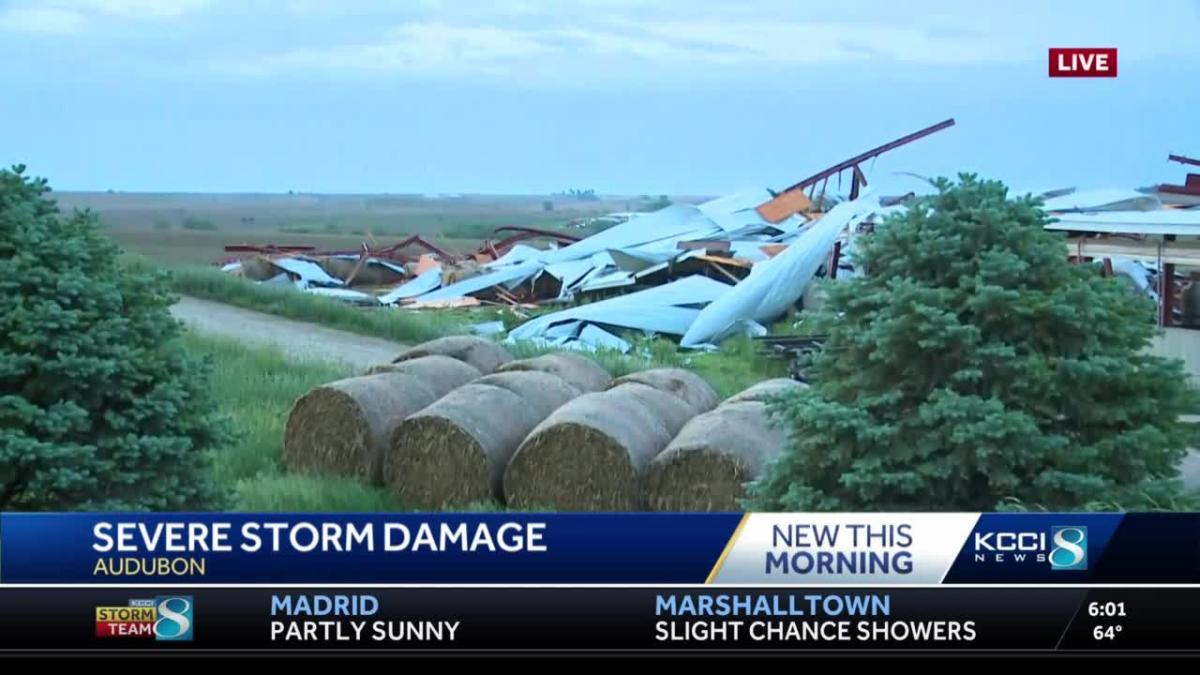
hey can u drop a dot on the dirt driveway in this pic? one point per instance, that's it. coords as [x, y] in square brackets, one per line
[297, 339]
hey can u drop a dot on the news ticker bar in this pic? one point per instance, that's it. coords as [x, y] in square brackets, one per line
[598, 619]
[784, 549]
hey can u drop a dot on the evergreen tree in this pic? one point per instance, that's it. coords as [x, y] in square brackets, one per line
[100, 408]
[973, 364]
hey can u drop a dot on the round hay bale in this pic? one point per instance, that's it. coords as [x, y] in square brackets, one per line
[485, 355]
[765, 390]
[343, 427]
[706, 466]
[454, 452]
[683, 383]
[543, 392]
[587, 456]
[443, 372]
[673, 412]
[579, 371]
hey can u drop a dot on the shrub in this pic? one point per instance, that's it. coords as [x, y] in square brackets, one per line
[100, 407]
[973, 365]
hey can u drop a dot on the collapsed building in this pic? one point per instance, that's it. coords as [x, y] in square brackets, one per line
[703, 272]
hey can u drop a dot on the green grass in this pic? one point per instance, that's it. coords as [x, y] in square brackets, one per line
[384, 322]
[734, 367]
[255, 389]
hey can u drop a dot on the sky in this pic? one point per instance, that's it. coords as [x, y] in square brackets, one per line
[694, 97]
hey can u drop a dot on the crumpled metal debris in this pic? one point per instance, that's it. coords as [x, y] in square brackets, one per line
[701, 271]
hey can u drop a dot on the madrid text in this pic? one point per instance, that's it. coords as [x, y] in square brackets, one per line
[348, 618]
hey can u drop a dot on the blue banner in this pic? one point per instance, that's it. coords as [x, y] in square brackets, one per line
[627, 548]
[160, 548]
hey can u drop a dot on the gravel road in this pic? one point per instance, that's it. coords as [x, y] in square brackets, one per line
[297, 339]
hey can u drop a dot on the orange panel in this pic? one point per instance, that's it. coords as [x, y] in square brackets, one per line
[783, 205]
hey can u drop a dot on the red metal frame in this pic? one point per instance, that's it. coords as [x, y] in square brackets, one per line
[499, 248]
[859, 179]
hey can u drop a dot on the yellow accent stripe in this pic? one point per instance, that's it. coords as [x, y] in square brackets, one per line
[737, 532]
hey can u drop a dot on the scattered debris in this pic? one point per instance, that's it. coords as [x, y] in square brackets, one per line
[775, 285]
[696, 271]
[1187, 194]
[704, 272]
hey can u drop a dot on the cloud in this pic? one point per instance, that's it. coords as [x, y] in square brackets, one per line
[70, 17]
[445, 48]
[586, 41]
[417, 48]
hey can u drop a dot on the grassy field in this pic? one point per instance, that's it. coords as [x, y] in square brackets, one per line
[194, 228]
[206, 247]
[255, 389]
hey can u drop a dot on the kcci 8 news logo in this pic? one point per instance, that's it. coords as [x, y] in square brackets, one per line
[166, 617]
[1066, 548]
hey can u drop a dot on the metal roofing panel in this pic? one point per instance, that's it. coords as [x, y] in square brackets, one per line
[1103, 200]
[1165, 221]
[517, 254]
[504, 275]
[344, 294]
[738, 211]
[661, 309]
[308, 271]
[424, 282]
[676, 221]
[776, 284]
[594, 336]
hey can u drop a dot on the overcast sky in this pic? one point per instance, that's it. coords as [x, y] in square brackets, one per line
[623, 96]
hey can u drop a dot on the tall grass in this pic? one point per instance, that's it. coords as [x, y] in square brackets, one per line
[255, 388]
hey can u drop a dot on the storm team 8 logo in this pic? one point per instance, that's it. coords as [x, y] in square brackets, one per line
[164, 618]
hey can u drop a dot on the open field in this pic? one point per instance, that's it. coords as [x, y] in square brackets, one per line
[193, 228]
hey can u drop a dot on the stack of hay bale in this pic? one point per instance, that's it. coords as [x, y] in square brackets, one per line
[454, 452]
[707, 465]
[590, 454]
[344, 427]
[456, 421]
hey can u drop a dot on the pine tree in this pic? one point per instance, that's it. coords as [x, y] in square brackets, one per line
[100, 408]
[974, 365]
